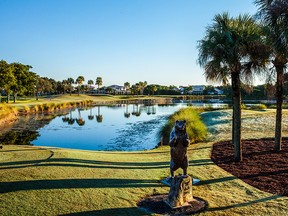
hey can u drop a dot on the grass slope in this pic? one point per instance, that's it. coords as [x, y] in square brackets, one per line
[48, 181]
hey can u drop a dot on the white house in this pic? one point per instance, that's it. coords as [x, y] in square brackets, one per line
[198, 89]
[117, 89]
[218, 91]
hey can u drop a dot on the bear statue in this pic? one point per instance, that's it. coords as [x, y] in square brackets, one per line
[179, 141]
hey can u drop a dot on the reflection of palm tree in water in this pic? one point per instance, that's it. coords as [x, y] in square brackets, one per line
[80, 121]
[149, 110]
[91, 117]
[65, 118]
[136, 110]
[71, 119]
[153, 110]
[99, 117]
[127, 113]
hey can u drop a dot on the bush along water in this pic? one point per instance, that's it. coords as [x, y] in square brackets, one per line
[196, 129]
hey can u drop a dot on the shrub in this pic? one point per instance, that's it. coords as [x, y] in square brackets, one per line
[258, 107]
[196, 129]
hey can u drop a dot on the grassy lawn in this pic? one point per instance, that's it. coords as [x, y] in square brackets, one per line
[50, 181]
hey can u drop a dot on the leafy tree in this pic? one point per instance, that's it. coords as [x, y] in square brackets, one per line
[274, 16]
[208, 89]
[150, 89]
[23, 78]
[54, 86]
[7, 78]
[99, 82]
[79, 81]
[188, 89]
[232, 48]
[43, 85]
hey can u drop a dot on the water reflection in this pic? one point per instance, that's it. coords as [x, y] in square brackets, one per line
[80, 121]
[91, 116]
[135, 130]
[99, 117]
[19, 137]
[126, 113]
[136, 110]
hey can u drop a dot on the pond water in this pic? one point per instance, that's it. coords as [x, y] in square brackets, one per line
[128, 127]
[122, 127]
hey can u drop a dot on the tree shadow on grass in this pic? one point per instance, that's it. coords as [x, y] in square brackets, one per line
[218, 180]
[7, 187]
[222, 208]
[112, 212]
[200, 162]
[72, 162]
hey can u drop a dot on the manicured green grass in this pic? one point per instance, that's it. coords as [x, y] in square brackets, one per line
[50, 181]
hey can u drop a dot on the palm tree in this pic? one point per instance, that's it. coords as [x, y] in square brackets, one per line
[79, 81]
[232, 48]
[64, 86]
[142, 85]
[70, 81]
[99, 82]
[126, 86]
[274, 16]
[90, 82]
[154, 89]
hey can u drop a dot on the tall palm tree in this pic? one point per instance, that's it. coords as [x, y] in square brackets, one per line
[70, 81]
[274, 16]
[79, 81]
[99, 82]
[90, 82]
[142, 85]
[126, 86]
[232, 48]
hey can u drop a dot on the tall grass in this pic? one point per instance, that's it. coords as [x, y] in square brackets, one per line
[196, 129]
[5, 110]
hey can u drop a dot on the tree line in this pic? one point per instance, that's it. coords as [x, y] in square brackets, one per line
[238, 49]
[18, 79]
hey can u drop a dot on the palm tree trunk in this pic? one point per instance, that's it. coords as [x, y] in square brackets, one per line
[236, 116]
[279, 98]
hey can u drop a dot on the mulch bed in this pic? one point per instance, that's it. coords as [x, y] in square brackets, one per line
[261, 167]
[156, 204]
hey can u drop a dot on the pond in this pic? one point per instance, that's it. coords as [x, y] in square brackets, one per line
[122, 127]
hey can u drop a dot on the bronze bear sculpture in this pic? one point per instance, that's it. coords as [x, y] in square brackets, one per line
[179, 141]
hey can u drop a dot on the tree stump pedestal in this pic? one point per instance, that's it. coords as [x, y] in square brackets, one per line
[180, 193]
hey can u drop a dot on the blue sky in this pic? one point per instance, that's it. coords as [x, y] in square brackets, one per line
[118, 40]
